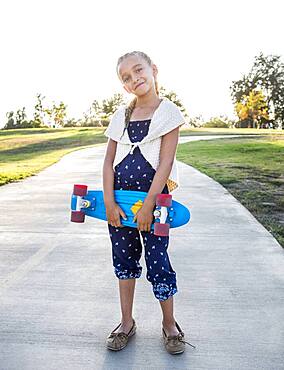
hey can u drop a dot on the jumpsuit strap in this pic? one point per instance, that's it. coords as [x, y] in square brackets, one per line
[133, 146]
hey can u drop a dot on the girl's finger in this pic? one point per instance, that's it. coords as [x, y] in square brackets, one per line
[115, 222]
[123, 215]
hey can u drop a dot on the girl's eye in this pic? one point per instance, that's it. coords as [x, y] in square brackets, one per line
[137, 70]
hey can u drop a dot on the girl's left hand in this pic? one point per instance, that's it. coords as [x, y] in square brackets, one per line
[144, 218]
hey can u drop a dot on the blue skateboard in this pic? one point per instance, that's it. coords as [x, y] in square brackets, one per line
[167, 213]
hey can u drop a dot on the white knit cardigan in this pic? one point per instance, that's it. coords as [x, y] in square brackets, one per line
[165, 118]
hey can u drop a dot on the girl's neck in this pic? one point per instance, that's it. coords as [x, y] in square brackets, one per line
[145, 112]
[146, 101]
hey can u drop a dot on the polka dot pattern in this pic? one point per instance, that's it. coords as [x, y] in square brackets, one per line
[135, 173]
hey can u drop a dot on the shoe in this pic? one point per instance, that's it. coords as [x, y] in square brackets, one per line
[117, 341]
[175, 343]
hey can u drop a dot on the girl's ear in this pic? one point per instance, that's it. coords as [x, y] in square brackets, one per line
[155, 70]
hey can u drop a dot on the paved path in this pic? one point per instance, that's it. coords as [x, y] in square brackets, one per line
[59, 296]
[184, 139]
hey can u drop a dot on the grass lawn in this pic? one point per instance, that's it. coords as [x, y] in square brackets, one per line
[26, 152]
[252, 169]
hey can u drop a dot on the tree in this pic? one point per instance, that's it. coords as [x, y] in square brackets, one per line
[17, 120]
[267, 75]
[103, 110]
[196, 121]
[109, 106]
[59, 114]
[56, 114]
[39, 112]
[20, 117]
[253, 107]
[10, 124]
[171, 95]
[269, 72]
[222, 121]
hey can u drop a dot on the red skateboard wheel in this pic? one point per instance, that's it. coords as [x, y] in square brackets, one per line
[80, 190]
[164, 200]
[77, 216]
[161, 229]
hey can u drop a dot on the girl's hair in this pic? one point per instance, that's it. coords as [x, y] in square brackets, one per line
[130, 107]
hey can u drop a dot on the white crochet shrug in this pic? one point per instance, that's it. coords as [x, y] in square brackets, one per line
[165, 118]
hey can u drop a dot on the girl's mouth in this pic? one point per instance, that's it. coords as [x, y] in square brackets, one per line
[139, 85]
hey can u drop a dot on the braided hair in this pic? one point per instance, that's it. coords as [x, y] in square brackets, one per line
[130, 108]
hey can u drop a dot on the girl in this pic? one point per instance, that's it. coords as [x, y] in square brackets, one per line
[140, 156]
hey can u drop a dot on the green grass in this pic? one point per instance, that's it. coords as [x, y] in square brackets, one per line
[251, 169]
[25, 152]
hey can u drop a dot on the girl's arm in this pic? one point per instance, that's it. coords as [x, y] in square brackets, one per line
[169, 143]
[113, 210]
[167, 156]
[108, 174]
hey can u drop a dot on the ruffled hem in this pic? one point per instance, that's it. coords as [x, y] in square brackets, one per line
[163, 291]
[125, 274]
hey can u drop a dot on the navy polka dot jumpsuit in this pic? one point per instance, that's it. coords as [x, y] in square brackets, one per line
[134, 172]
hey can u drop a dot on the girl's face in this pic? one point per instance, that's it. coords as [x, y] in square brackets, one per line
[136, 75]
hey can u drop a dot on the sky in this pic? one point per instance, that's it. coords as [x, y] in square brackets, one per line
[68, 50]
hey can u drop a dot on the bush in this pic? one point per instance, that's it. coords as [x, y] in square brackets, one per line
[97, 123]
[86, 123]
[19, 120]
[11, 124]
[71, 123]
[217, 123]
[245, 123]
[196, 121]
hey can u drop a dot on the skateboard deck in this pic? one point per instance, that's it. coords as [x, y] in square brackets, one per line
[167, 213]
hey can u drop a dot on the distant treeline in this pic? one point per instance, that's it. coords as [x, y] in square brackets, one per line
[258, 99]
[55, 115]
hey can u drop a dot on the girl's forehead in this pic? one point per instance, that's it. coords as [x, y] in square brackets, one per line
[128, 63]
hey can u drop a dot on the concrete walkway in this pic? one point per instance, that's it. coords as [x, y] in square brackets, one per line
[185, 139]
[59, 297]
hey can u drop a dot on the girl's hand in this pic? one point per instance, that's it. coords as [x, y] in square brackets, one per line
[144, 218]
[113, 213]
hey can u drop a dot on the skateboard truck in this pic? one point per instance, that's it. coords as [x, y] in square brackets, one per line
[158, 214]
[163, 201]
[85, 203]
[79, 192]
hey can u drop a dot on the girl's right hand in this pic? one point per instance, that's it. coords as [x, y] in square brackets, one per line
[113, 213]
